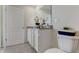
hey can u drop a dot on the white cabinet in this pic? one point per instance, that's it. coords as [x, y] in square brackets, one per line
[40, 39]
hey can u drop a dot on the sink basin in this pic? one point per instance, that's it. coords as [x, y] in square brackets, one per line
[66, 32]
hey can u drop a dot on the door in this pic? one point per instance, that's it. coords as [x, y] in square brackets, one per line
[14, 23]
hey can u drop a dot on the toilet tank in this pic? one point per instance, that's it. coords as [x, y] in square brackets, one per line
[67, 43]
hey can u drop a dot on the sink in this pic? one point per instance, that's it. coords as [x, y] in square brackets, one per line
[66, 32]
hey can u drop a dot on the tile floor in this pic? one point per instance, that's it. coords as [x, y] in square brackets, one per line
[20, 48]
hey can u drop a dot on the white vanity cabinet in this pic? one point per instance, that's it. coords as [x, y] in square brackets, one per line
[40, 39]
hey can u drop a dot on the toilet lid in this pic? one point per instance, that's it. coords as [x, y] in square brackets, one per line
[54, 50]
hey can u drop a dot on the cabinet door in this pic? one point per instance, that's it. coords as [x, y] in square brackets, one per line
[32, 37]
[29, 36]
[36, 40]
[45, 40]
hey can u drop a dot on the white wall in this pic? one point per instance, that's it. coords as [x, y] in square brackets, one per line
[29, 15]
[66, 15]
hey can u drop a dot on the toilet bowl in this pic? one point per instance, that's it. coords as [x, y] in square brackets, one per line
[54, 50]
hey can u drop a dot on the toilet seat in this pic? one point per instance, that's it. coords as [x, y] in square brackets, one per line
[54, 50]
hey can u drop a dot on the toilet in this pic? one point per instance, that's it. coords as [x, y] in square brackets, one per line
[66, 44]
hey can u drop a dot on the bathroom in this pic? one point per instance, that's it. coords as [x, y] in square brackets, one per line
[35, 26]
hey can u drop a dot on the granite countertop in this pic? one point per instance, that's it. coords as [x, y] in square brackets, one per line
[37, 27]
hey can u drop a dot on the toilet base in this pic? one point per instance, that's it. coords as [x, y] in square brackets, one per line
[54, 50]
